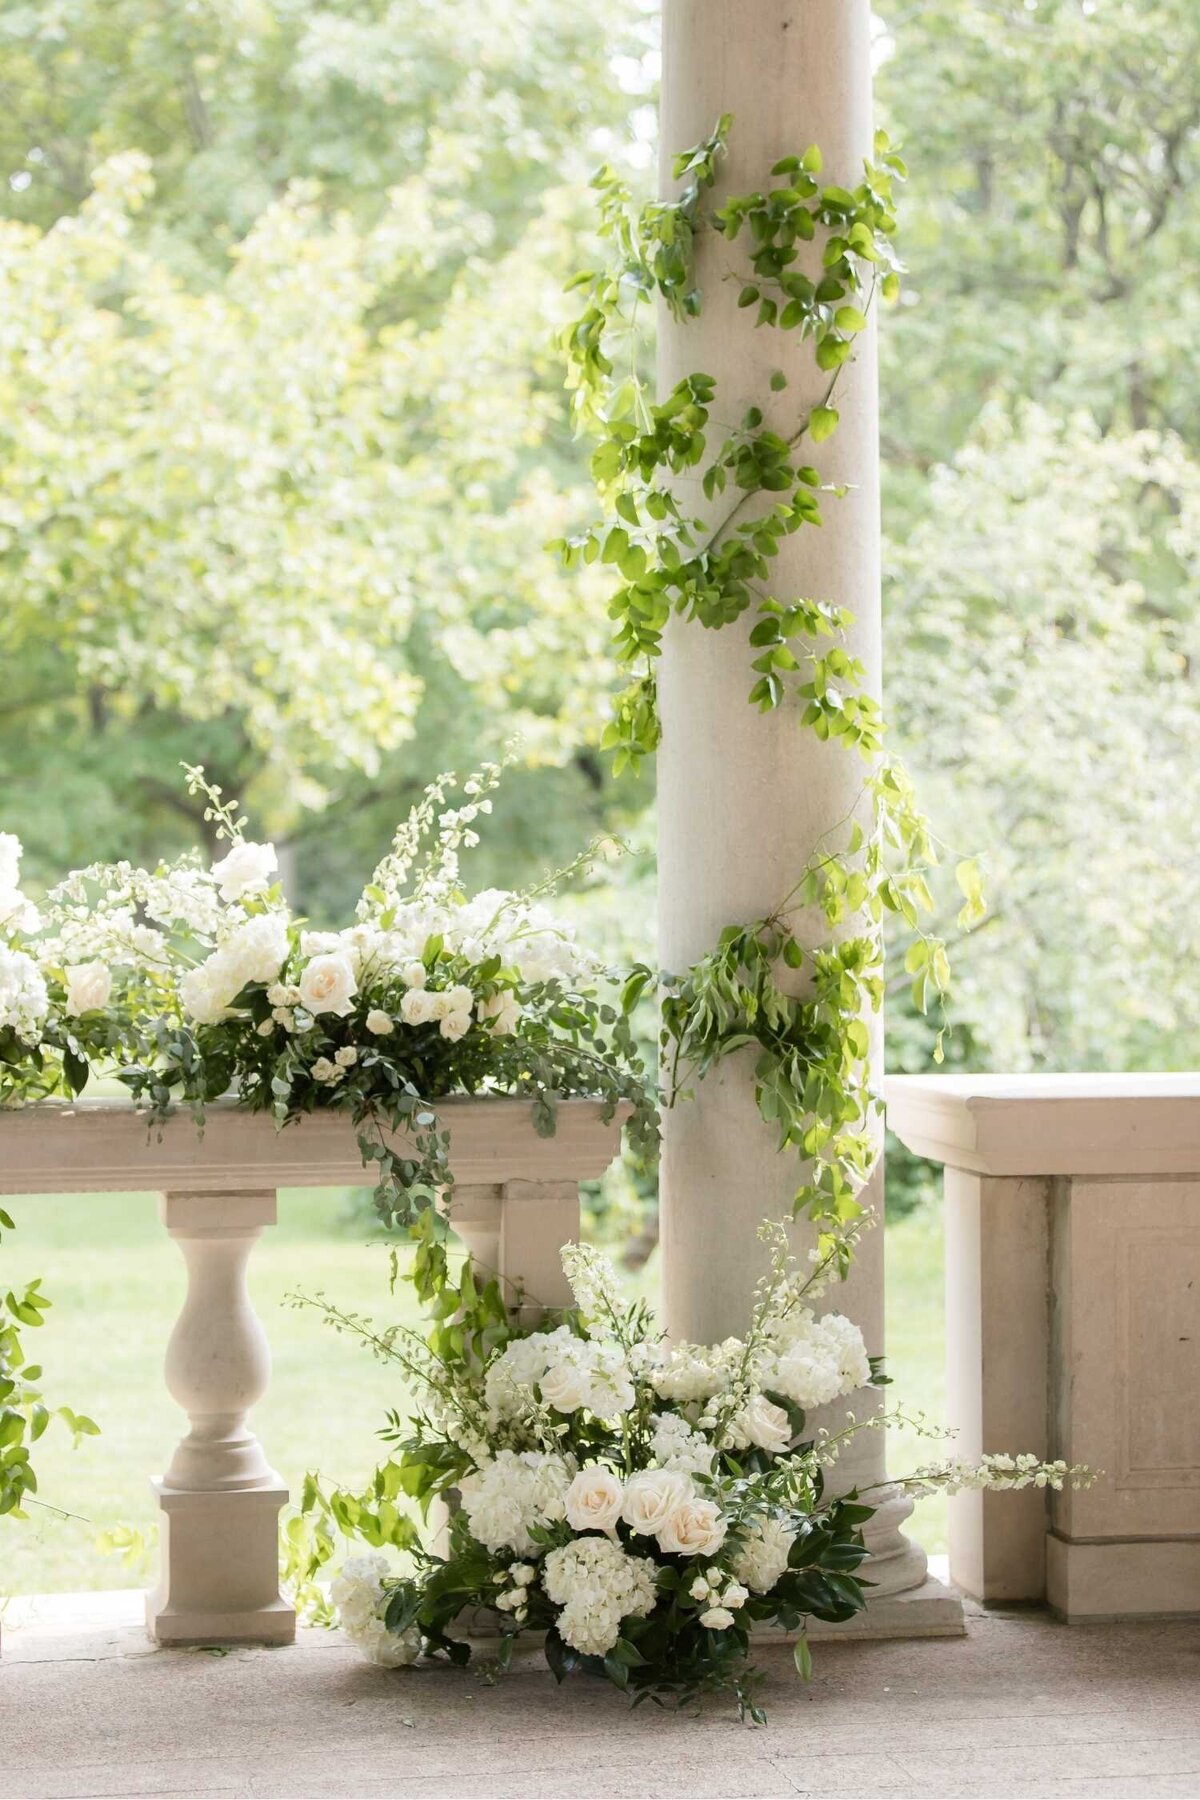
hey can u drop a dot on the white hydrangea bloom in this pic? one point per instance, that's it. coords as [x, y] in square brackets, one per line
[763, 1556]
[698, 1371]
[515, 1491]
[358, 1593]
[567, 1371]
[247, 869]
[254, 950]
[676, 1445]
[597, 1584]
[817, 1359]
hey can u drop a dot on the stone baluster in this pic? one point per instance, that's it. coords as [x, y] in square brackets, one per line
[515, 1230]
[220, 1499]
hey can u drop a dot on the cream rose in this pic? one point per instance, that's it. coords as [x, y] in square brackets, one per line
[503, 1009]
[696, 1528]
[564, 1387]
[414, 975]
[765, 1424]
[455, 1025]
[88, 987]
[416, 1008]
[717, 1618]
[327, 984]
[247, 869]
[594, 1500]
[652, 1497]
[379, 1023]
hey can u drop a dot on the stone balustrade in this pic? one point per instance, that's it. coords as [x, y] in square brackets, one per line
[1072, 1218]
[515, 1202]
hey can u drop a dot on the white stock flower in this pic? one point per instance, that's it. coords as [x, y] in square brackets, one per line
[24, 1001]
[88, 987]
[696, 1528]
[763, 1556]
[515, 1491]
[417, 1007]
[503, 1009]
[247, 869]
[327, 984]
[11, 852]
[651, 1496]
[594, 1499]
[597, 1584]
[762, 1424]
[380, 1023]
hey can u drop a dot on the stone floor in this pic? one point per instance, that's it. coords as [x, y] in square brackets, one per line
[1021, 1706]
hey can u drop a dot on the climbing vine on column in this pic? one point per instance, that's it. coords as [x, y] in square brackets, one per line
[811, 261]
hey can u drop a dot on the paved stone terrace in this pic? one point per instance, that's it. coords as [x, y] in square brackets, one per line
[1021, 1707]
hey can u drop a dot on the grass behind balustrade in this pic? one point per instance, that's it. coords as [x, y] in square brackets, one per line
[117, 1284]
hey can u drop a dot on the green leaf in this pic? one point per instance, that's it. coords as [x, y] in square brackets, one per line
[822, 423]
[802, 1657]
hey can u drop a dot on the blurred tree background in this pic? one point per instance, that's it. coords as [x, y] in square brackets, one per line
[282, 430]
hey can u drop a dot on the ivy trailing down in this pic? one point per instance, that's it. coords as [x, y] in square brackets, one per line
[761, 485]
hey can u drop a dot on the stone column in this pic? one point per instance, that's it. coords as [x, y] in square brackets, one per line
[745, 798]
[220, 1499]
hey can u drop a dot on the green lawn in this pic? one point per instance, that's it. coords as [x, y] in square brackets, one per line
[117, 1282]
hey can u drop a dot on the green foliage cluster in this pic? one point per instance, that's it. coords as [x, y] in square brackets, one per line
[671, 563]
[24, 1414]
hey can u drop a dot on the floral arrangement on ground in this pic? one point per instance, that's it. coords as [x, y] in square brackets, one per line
[643, 1505]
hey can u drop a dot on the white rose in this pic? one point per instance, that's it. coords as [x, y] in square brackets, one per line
[594, 1500]
[379, 1022]
[416, 1008]
[455, 1025]
[247, 869]
[765, 1424]
[716, 1618]
[651, 1497]
[88, 987]
[564, 1387]
[346, 1057]
[414, 975]
[327, 984]
[695, 1528]
[735, 1596]
[457, 999]
[504, 1009]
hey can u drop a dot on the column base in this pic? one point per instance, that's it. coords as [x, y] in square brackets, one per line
[219, 1569]
[1091, 1583]
[931, 1610]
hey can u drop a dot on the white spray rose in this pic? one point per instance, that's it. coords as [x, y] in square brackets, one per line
[327, 984]
[694, 1529]
[379, 1022]
[455, 1026]
[414, 975]
[651, 1497]
[88, 987]
[247, 869]
[594, 1500]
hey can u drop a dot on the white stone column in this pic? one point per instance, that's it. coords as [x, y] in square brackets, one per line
[220, 1499]
[745, 798]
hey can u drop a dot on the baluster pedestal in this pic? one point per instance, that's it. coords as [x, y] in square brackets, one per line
[220, 1499]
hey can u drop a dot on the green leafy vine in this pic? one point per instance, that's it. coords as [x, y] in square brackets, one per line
[800, 1007]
